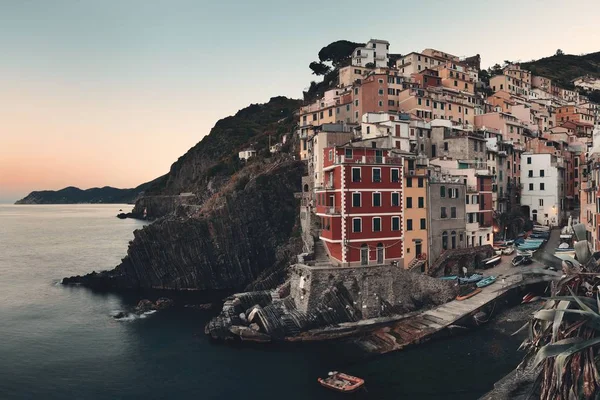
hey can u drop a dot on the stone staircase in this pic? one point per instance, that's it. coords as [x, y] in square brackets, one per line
[321, 257]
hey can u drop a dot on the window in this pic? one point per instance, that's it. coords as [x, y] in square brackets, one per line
[531, 186]
[528, 160]
[408, 182]
[315, 117]
[409, 202]
[355, 174]
[445, 146]
[442, 191]
[409, 226]
[542, 186]
[541, 202]
[356, 225]
[321, 114]
[395, 223]
[368, 129]
[376, 199]
[443, 213]
[423, 223]
[530, 173]
[355, 199]
[396, 175]
[542, 172]
[421, 202]
[427, 102]
[445, 240]
[330, 155]
[467, 198]
[395, 199]
[348, 153]
[331, 112]
[376, 224]
[380, 92]
[420, 182]
[419, 101]
[452, 212]
[376, 174]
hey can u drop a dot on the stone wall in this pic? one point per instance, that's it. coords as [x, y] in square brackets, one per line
[373, 289]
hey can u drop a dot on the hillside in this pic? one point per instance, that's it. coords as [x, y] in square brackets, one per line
[74, 195]
[563, 68]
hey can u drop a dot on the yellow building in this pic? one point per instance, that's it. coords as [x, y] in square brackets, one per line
[415, 205]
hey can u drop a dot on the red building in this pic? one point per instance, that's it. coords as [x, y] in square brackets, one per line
[360, 206]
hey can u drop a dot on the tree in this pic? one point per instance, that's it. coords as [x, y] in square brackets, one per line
[370, 65]
[337, 52]
[496, 70]
[318, 68]
[559, 52]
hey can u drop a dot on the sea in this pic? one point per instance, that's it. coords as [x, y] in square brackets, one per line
[59, 342]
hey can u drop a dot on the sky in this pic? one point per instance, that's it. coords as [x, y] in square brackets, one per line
[112, 92]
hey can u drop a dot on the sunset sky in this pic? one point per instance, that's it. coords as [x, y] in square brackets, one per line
[97, 93]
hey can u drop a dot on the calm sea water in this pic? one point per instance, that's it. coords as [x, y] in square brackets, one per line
[62, 343]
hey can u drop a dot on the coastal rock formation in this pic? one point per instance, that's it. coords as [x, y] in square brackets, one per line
[248, 227]
[328, 297]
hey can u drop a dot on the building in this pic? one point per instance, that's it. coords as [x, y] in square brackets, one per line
[376, 52]
[446, 214]
[393, 126]
[415, 201]
[456, 142]
[543, 195]
[360, 206]
[587, 82]
[246, 154]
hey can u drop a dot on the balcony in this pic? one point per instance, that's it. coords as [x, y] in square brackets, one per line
[333, 211]
[368, 160]
[325, 186]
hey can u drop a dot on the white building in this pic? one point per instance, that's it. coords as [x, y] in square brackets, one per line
[375, 52]
[246, 154]
[587, 82]
[542, 177]
[390, 125]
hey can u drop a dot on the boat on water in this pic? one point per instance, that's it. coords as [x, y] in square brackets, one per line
[341, 382]
[486, 281]
[468, 295]
[521, 260]
[471, 279]
[508, 251]
[449, 278]
[490, 262]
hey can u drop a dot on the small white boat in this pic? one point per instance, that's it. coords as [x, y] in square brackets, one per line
[508, 251]
[490, 262]
[528, 253]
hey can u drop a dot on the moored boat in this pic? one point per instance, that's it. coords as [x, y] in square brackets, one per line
[508, 251]
[490, 262]
[449, 278]
[468, 295]
[341, 382]
[486, 281]
[471, 279]
[521, 260]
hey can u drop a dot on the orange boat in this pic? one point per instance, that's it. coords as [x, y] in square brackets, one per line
[341, 382]
[468, 295]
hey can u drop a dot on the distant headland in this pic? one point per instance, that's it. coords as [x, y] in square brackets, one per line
[74, 195]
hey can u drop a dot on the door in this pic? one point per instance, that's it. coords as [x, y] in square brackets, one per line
[380, 253]
[418, 249]
[364, 255]
[378, 156]
[534, 215]
[433, 151]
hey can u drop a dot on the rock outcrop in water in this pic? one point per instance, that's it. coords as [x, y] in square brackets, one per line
[249, 227]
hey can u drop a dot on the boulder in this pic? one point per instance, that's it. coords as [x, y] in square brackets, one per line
[144, 306]
[163, 303]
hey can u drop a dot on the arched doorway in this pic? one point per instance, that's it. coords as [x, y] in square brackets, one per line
[379, 253]
[534, 216]
[364, 255]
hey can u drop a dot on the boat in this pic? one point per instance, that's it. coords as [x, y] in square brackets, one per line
[449, 278]
[529, 298]
[521, 260]
[564, 250]
[541, 228]
[508, 251]
[468, 295]
[528, 253]
[486, 281]
[498, 251]
[341, 382]
[471, 279]
[490, 262]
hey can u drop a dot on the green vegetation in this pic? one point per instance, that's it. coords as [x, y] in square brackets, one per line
[563, 68]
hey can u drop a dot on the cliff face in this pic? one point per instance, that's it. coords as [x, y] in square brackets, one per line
[209, 165]
[249, 227]
[73, 195]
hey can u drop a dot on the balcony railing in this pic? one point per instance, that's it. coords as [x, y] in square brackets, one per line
[333, 210]
[368, 160]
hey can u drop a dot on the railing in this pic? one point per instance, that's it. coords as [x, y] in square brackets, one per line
[368, 160]
[333, 210]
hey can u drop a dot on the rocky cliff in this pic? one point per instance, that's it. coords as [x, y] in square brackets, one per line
[246, 228]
